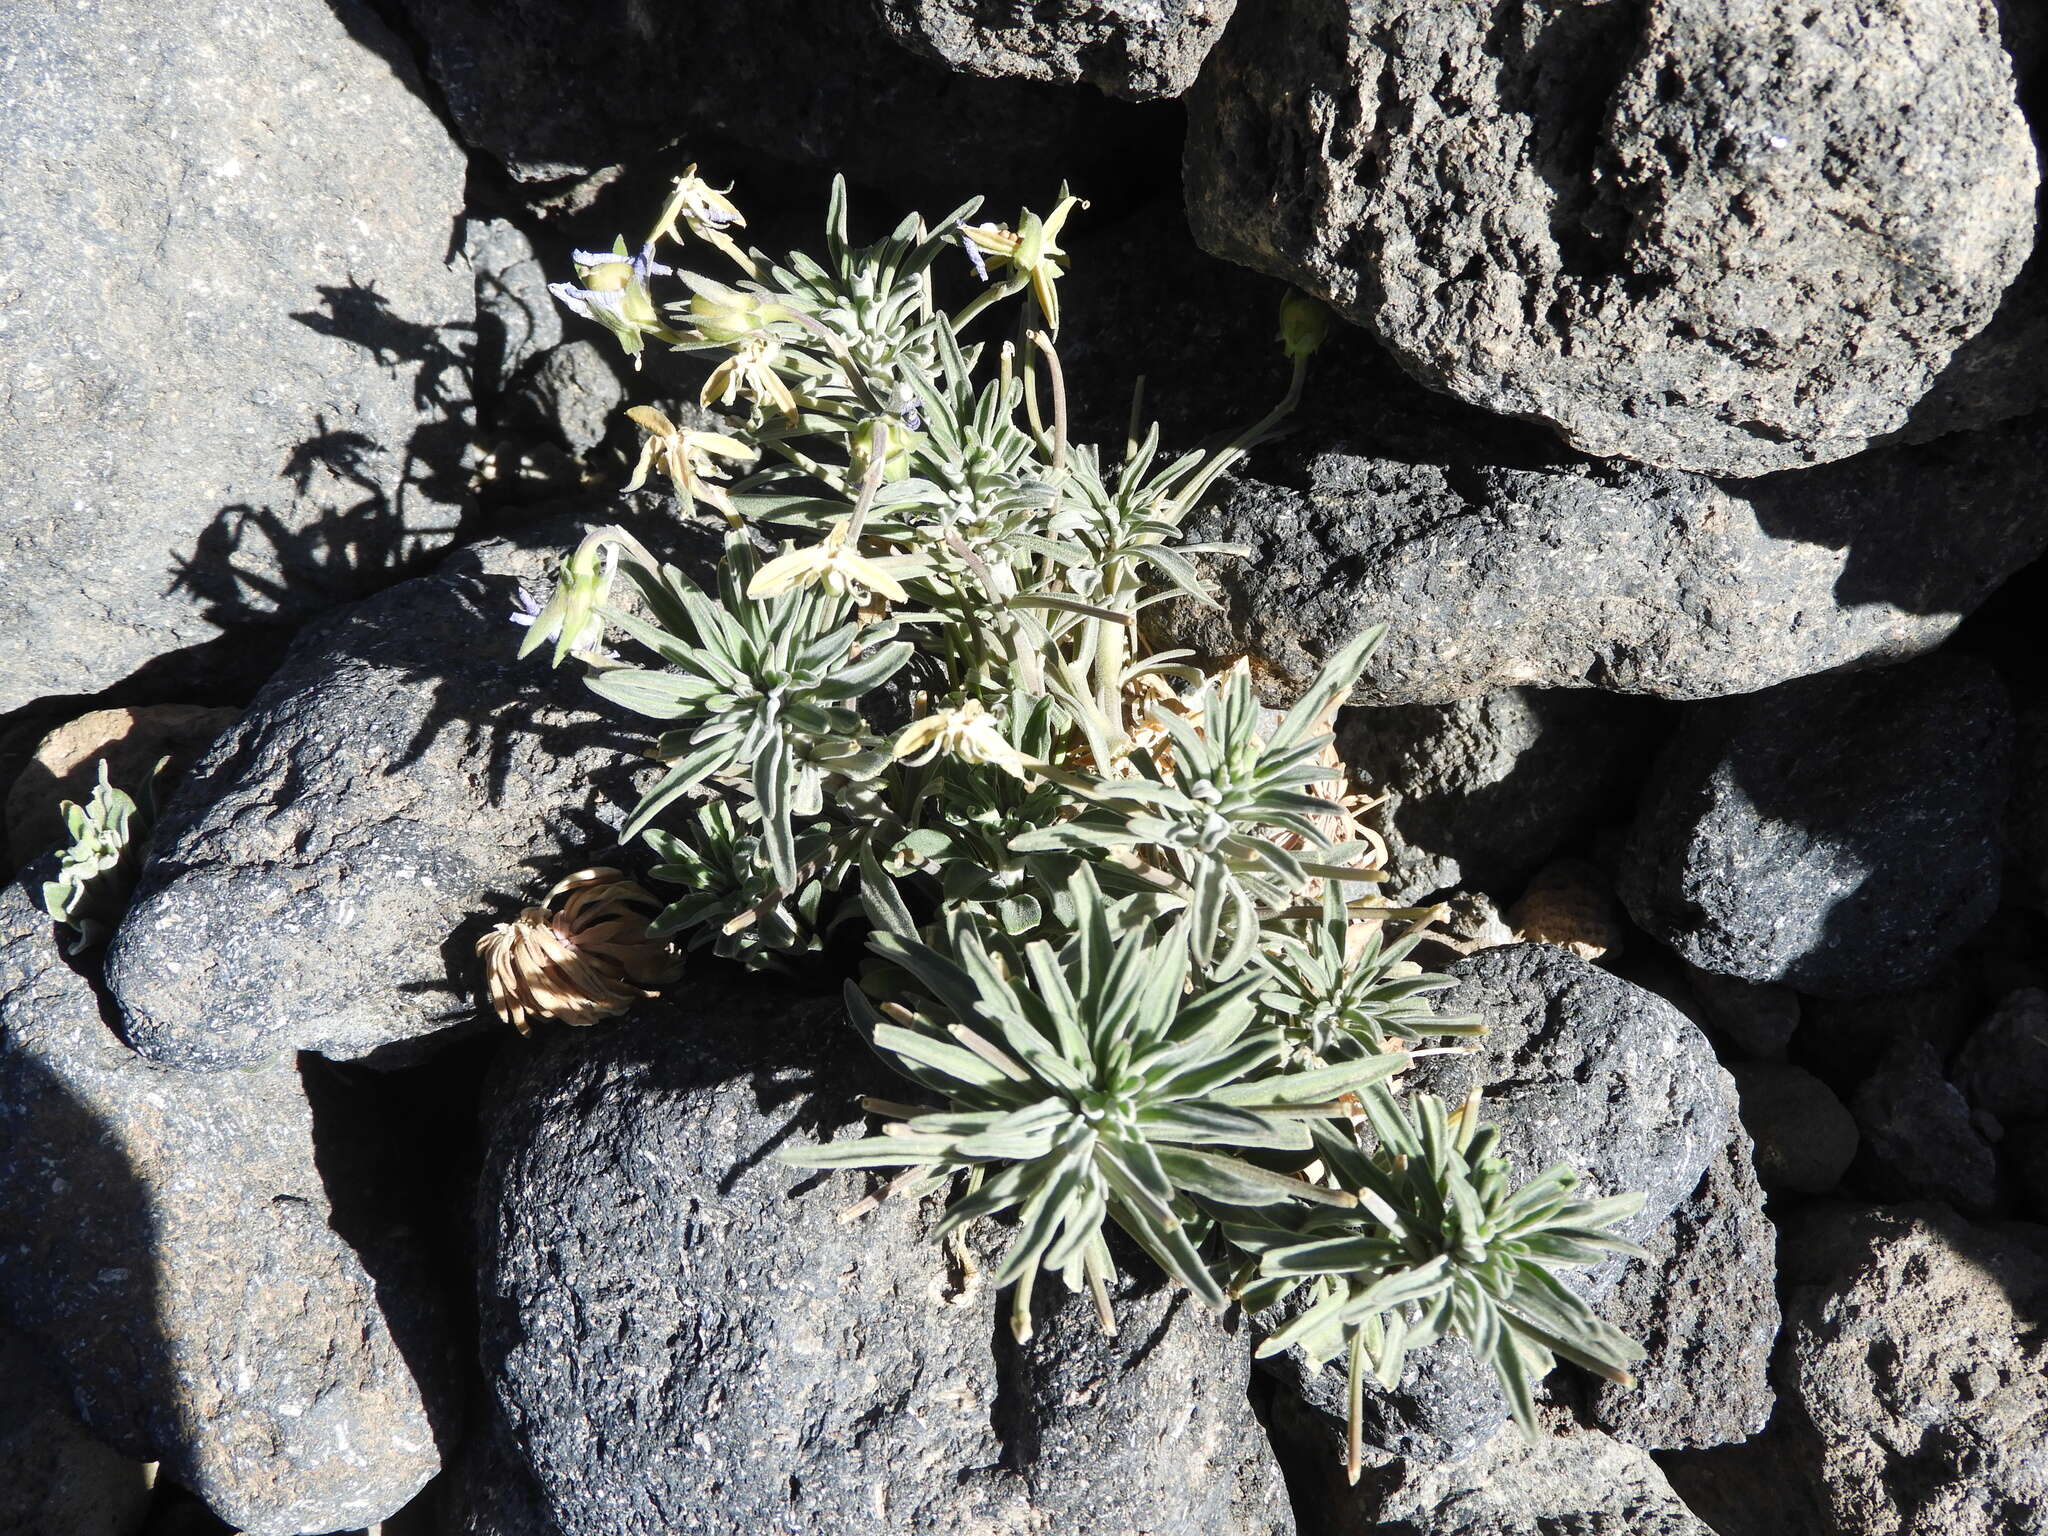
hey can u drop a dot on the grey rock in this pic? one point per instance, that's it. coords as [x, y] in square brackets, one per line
[682, 1336]
[1573, 1479]
[1580, 1067]
[575, 390]
[1583, 1068]
[1704, 1306]
[2002, 1068]
[1919, 1364]
[319, 882]
[1997, 372]
[1805, 1137]
[536, 381]
[518, 320]
[236, 340]
[1495, 570]
[1136, 49]
[1759, 1017]
[1481, 791]
[57, 1479]
[1919, 1141]
[169, 1243]
[1840, 834]
[1445, 1406]
[1672, 230]
[566, 97]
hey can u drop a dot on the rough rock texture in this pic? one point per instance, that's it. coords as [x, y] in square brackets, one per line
[1805, 1137]
[563, 95]
[683, 1337]
[55, 1478]
[1919, 1138]
[2003, 1067]
[236, 387]
[1997, 372]
[539, 384]
[1726, 235]
[1585, 1069]
[1496, 570]
[1481, 791]
[169, 1243]
[1705, 1307]
[320, 881]
[130, 741]
[1574, 1480]
[1919, 1361]
[1840, 834]
[1137, 49]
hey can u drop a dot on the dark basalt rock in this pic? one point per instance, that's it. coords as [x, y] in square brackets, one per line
[565, 95]
[1671, 229]
[1582, 1068]
[1840, 834]
[169, 1240]
[1136, 49]
[1495, 570]
[320, 880]
[683, 1335]
[1480, 792]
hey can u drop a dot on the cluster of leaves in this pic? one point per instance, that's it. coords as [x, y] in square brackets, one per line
[96, 871]
[1119, 931]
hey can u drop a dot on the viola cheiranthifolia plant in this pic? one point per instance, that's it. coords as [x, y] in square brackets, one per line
[1121, 938]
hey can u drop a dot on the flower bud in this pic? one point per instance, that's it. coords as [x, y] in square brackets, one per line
[1304, 323]
[726, 316]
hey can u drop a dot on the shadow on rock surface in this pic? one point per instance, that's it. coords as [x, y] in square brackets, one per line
[254, 566]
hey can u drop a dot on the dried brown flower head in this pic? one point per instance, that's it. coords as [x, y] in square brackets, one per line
[584, 954]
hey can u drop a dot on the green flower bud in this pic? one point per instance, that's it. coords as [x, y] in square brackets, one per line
[1304, 323]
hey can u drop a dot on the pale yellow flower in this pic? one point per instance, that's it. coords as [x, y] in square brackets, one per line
[835, 565]
[967, 732]
[1031, 250]
[750, 374]
[687, 458]
[588, 959]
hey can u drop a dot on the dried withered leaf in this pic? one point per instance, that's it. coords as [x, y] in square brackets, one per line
[583, 955]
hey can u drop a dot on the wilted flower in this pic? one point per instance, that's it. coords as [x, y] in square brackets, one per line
[750, 372]
[966, 731]
[615, 294]
[697, 205]
[587, 959]
[1031, 251]
[835, 565]
[687, 457]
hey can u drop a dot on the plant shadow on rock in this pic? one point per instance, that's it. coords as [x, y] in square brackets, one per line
[255, 569]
